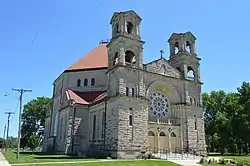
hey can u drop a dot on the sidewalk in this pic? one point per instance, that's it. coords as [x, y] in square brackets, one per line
[3, 161]
[186, 162]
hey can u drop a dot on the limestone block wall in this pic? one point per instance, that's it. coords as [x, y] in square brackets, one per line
[62, 130]
[123, 136]
[101, 80]
[111, 139]
[194, 128]
[161, 66]
[81, 129]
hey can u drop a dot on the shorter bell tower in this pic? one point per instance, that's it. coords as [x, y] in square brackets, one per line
[183, 55]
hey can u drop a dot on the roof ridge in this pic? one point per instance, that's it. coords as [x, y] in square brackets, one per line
[96, 58]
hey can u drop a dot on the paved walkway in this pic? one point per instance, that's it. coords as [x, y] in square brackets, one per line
[186, 162]
[3, 161]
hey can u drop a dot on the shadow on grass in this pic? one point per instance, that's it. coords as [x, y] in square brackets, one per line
[44, 156]
[227, 154]
[59, 157]
[35, 153]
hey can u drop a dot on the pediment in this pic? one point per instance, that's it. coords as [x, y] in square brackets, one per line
[161, 66]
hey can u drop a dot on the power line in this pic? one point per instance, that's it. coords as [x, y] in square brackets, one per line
[8, 126]
[21, 91]
[15, 111]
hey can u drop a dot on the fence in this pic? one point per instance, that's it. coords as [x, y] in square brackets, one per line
[176, 153]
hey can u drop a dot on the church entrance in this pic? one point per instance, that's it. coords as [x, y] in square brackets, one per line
[163, 142]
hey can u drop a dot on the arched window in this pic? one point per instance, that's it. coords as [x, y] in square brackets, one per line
[130, 120]
[127, 91]
[94, 126]
[115, 59]
[117, 28]
[78, 82]
[164, 69]
[150, 133]
[85, 82]
[195, 122]
[92, 81]
[172, 134]
[190, 73]
[162, 134]
[191, 101]
[133, 92]
[130, 57]
[176, 47]
[129, 28]
[188, 47]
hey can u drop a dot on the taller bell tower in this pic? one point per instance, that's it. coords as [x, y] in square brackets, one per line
[127, 108]
[125, 47]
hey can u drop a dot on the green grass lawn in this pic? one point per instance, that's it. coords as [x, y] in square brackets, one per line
[120, 163]
[238, 158]
[28, 157]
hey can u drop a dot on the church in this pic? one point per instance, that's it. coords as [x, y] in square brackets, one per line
[109, 101]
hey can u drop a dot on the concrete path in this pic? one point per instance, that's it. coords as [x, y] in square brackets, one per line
[186, 162]
[3, 161]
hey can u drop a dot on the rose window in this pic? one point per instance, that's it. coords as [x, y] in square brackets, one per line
[158, 105]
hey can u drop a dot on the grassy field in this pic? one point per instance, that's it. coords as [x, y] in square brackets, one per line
[28, 157]
[119, 163]
[244, 158]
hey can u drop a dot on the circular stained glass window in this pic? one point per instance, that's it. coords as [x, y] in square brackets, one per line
[158, 105]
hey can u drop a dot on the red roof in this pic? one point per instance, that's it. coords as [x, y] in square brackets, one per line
[97, 58]
[87, 98]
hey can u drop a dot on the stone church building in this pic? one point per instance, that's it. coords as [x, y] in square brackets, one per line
[110, 101]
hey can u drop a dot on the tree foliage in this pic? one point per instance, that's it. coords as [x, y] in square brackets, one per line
[33, 142]
[33, 116]
[227, 120]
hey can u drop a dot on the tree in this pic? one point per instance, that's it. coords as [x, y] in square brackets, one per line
[33, 142]
[213, 103]
[227, 120]
[33, 116]
[1, 142]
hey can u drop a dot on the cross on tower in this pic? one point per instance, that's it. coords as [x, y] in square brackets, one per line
[162, 52]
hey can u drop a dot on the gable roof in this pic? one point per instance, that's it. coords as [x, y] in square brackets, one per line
[97, 58]
[87, 98]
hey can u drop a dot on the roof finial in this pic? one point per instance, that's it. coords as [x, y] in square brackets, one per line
[162, 52]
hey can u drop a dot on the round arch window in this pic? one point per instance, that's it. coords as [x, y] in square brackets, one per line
[158, 105]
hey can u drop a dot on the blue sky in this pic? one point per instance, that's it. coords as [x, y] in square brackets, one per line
[39, 39]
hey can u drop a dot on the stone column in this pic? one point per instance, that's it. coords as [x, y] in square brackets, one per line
[182, 44]
[172, 49]
[185, 71]
[121, 86]
[192, 48]
[198, 72]
[121, 56]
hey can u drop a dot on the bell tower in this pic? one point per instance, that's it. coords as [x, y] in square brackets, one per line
[125, 47]
[183, 55]
[127, 108]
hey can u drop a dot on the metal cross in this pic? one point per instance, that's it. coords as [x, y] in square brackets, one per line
[162, 52]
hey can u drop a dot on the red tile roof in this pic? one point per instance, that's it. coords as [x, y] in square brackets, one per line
[97, 58]
[87, 98]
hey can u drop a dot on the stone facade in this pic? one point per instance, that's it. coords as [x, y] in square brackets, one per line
[157, 105]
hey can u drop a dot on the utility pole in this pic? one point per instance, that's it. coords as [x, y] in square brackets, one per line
[4, 136]
[8, 126]
[21, 91]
